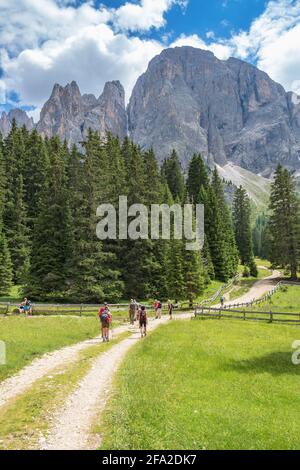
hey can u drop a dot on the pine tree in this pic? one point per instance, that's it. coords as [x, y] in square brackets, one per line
[52, 239]
[36, 167]
[193, 271]
[5, 261]
[197, 179]
[172, 172]
[93, 277]
[284, 224]
[15, 214]
[242, 228]
[219, 231]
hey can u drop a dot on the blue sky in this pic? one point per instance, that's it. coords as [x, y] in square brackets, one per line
[47, 41]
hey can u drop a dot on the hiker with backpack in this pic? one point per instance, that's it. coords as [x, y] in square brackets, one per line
[157, 308]
[132, 311]
[170, 309]
[105, 320]
[143, 321]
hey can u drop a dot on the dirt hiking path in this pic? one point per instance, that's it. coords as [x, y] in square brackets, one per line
[38, 368]
[71, 429]
[258, 290]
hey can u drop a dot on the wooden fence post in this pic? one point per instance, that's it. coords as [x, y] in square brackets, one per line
[80, 313]
[271, 317]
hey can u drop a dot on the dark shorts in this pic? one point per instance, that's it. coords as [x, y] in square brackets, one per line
[143, 323]
[105, 325]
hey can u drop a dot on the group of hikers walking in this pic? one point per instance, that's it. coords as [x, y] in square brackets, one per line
[137, 312]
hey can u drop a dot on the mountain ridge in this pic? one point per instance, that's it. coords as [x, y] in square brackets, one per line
[190, 101]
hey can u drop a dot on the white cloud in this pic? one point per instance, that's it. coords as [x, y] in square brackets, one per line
[222, 51]
[145, 15]
[272, 41]
[48, 41]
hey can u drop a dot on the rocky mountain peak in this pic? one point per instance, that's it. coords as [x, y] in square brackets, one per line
[21, 117]
[69, 114]
[227, 110]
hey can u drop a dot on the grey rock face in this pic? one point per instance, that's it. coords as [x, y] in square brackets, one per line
[69, 115]
[21, 118]
[227, 110]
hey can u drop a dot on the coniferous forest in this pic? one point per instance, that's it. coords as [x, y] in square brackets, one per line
[49, 196]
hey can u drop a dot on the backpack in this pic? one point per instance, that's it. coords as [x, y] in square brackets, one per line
[143, 315]
[132, 308]
[105, 318]
[158, 304]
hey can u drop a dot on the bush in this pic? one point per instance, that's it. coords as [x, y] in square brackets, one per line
[246, 272]
[253, 269]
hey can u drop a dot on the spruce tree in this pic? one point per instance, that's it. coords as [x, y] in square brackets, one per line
[52, 239]
[172, 172]
[219, 231]
[242, 228]
[15, 213]
[284, 224]
[93, 277]
[197, 179]
[5, 261]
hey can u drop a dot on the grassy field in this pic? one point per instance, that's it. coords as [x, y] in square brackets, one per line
[27, 338]
[25, 419]
[207, 384]
[286, 299]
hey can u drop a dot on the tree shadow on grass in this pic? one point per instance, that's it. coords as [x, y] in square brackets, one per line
[276, 363]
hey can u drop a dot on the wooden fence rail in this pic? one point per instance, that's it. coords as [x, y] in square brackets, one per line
[210, 312]
[78, 309]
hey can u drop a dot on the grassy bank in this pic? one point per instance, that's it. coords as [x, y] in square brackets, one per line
[207, 385]
[286, 299]
[25, 420]
[27, 338]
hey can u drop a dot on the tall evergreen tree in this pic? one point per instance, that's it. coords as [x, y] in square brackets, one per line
[92, 278]
[197, 179]
[172, 172]
[284, 224]
[5, 261]
[15, 214]
[52, 239]
[219, 231]
[242, 229]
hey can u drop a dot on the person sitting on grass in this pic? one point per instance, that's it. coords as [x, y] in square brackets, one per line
[143, 321]
[26, 307]
[105, 320]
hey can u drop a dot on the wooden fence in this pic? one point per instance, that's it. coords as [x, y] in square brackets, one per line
[270, 317]
[264, 298]
[220, 290]
[78, 309]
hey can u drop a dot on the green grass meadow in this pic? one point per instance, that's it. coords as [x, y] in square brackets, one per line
[207, 384]
[28, 338]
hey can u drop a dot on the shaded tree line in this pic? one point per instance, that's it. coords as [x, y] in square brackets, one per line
[49, 196]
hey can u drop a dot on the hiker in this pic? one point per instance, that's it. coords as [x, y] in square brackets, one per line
[26, 307]
[132, 311]
[222, 300]
[157, 308]
[170, 309]
[143, 320]
[105, 319]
